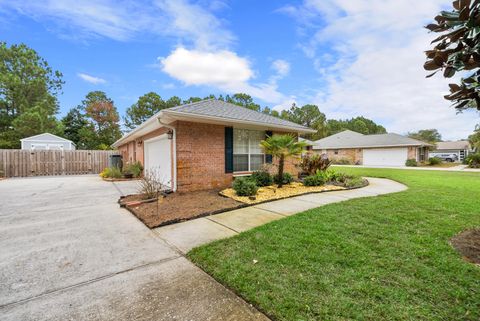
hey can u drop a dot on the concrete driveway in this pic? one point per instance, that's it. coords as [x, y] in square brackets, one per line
[68, 252]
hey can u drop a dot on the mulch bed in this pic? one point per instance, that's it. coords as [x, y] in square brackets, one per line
[468, 244]
[177, 207]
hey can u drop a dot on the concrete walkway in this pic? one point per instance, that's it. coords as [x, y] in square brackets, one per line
[187, 235]
[69, 252]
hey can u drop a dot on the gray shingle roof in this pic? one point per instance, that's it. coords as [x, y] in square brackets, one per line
[351, 139]
[461, 144]
[220, 109]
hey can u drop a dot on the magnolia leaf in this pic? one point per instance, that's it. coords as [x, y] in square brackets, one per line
[433, 73]
[454, 87]
[431, 65]
[449, 72]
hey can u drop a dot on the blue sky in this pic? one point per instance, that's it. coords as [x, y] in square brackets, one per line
[350, 58]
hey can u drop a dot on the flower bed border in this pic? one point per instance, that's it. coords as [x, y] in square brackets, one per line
[241, 205]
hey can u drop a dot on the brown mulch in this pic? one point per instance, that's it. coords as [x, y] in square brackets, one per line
[177, 207]
[468, 244]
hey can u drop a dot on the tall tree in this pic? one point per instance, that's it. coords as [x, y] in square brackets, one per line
[358, 124]
[243, 100]
[147, 106]
[73, 123]
[104, 128]
[427, 135]
[457, 50]
[28, 90]
[309, 116]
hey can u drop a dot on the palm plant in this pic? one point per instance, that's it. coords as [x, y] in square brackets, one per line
[281, 147]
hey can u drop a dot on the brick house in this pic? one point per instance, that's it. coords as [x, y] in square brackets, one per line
[205, 144]
[372, 150]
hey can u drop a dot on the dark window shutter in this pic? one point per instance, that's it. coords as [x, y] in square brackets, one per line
[268, 158]
[228, 149]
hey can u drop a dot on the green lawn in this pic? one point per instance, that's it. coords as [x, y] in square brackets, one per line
[378, 258]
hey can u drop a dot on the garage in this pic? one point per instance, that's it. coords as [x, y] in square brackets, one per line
[385, 156]
[158, 158]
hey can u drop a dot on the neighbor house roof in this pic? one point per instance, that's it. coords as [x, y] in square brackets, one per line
[458, 145]
[216, 112]
[351, 139]
[46, 137]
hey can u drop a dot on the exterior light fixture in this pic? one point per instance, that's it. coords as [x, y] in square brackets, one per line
[170, 134]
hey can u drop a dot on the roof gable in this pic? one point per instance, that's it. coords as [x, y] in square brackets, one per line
[461, 144]
[351, 139]
[46, 137]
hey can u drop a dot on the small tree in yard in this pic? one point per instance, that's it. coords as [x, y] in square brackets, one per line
[281, 147]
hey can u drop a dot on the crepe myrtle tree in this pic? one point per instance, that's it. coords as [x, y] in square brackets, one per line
[282, 147]
[457, 49]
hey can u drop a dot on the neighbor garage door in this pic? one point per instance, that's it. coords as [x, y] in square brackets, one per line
[385, 156]
[158, 158]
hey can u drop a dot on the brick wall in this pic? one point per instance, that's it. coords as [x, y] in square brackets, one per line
[354, 155]
[201, 157]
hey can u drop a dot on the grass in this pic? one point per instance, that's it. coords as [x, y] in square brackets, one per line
[380, 258]
[442, 165]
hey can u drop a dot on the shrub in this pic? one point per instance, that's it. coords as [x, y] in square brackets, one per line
[354, 181]
[310, 164]
[434, 161]
[111, 172]
[262, 178]
[411, 162]
[135, 169]
[337, 177]
[244, 186]
[342, 161]
[314, 180]
[151, 184]
[287, 179]
[473, 160]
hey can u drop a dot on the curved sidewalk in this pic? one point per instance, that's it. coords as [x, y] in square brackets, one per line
[187, 235]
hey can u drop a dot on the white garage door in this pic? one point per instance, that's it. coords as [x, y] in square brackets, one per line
[158, 158]
[385, 156]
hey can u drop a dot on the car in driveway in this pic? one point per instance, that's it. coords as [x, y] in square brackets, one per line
[447, 157]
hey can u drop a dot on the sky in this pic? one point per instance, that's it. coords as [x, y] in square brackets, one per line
[351, 58]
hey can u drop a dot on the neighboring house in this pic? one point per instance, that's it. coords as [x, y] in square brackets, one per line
[461, 148]
[372, 150]
[203, 145]
[47, 141]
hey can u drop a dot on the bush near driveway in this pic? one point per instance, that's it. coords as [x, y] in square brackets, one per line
[382, 258]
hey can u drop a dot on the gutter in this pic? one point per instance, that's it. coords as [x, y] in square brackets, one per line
[174, 141]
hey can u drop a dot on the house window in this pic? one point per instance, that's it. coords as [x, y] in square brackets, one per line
[247, 153]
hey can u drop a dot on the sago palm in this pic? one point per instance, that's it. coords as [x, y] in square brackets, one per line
[281, 147]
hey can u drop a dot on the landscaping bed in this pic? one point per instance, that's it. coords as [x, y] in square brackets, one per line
[270, 193]
[467, 244]
[177, 207]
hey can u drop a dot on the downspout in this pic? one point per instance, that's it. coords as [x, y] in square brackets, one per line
[174, 141]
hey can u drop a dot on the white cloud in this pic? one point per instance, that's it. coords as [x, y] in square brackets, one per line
[222, 69]
[125, 20]
[281, 66]
[91, 79]
[370, 55]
